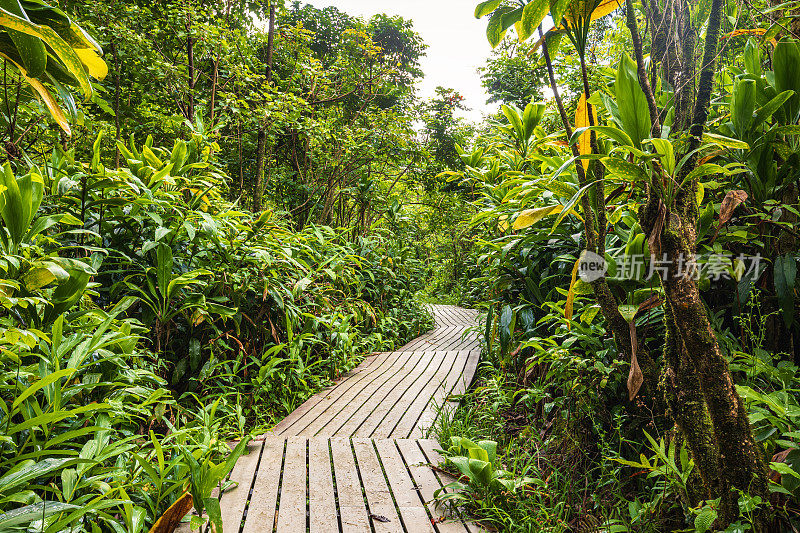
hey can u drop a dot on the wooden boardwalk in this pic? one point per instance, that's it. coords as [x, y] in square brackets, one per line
[353, 457]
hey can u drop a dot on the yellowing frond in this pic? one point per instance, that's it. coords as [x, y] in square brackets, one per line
[582, 121]
[93, 62]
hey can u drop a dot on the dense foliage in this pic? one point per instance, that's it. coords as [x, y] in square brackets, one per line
[149, 315]
[659, 394]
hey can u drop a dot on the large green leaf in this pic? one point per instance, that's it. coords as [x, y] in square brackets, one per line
[786, 66]
[499, 23]
[62, 50]
[785, 277]
[21, 476]
[32, 513]
[632, 106]
[742, 105]
[484, 8]
[532, 16]
[624, 170]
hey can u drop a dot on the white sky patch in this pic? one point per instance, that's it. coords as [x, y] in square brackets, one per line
[457, 43]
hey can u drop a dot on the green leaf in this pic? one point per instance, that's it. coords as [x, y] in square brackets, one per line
[496, 29]
[628, 312]
[785, 268]
[705, 520]
[484, 8]
[667, 153]
[62, 50]
[742, 105]
[623, 169]
[632, 106]
[726, 142]
[609, 131]
[557, 8]
[532, 16]
[768, 109]
[786, 66]
[513, 116]
[37, 386]
[15, 478]
[570, 205]
[32, 513]
[164, 264]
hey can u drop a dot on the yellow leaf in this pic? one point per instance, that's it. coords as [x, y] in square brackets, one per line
[532, 216]
[736, 33]
[605, 7]
[582, 121]
[49, 99]
[502, 222]
[571, 294]
[93, 62]
[581, 8]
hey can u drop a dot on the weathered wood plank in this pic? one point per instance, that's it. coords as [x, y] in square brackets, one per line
[261, 511]
[235, 500]
[422, 400]
[412, 508]
[386, 428]
[377, 491]
[391, 401]
[292, 510]
[322, 501]
[369, 366]
[344, 391]
[340, 411]
[375, 405]
[439, 397]
[352, 510]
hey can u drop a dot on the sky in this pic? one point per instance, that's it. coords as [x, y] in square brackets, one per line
[456, 41]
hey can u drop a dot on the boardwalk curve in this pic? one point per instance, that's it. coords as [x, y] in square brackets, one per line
[353, 457]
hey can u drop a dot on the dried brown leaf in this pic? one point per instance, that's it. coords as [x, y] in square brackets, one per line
[732, 200]
[172, 517]
[635, 377]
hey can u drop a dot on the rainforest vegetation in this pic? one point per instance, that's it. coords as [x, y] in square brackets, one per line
[212, 210]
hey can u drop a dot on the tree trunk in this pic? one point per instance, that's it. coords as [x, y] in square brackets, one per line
[260, 162]
[190, 64]
[262, 132]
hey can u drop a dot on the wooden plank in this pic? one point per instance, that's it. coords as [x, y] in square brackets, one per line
[340, 411]
[373, 409]
[439, 398]
[365, 369]
[390, 420]
[261, 512]
[322, 502]
[292, 510]
[235, 500]
[391, 401]
[352, 510]
[377, 491]
[347, 389]
[412, 508]
[428, 483]
[409, 420]
[473, 358]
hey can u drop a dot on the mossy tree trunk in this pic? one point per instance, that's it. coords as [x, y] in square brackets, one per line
[699, 387]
